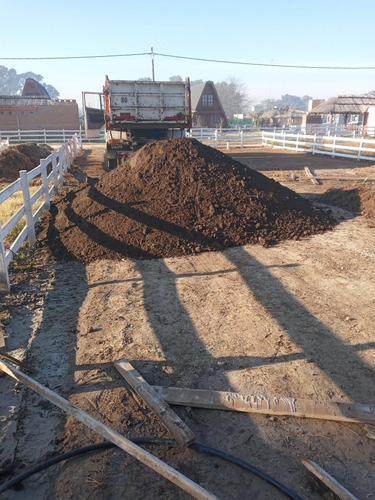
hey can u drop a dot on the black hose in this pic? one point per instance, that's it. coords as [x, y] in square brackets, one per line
[107, 444]
[245, 465]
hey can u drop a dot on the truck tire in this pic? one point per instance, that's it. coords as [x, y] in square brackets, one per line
[112, 163]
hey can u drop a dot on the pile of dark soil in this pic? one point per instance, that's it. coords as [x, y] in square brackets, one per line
[177, 197]
[25, 156]
[360, 199]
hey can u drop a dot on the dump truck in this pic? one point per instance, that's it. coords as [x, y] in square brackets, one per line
[136, 112]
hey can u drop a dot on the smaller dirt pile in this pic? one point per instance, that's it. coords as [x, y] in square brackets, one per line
[24, 156]
[178, 197]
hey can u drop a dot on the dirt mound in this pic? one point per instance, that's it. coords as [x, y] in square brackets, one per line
[24, 156]
[360, 200]
[177, 197]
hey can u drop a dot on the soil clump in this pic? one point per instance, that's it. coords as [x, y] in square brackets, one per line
[177, 197]
[25, 156]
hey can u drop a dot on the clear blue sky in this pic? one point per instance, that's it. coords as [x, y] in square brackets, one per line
[280, 32]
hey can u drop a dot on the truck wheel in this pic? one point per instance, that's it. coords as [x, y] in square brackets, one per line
[112, 163]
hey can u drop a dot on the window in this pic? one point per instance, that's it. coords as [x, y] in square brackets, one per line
[207, 100]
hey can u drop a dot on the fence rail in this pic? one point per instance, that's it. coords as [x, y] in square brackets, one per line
[50, 173]
[46, 136]
[360, 148]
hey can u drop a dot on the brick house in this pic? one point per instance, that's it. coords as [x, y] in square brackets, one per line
[206, 107]
[35, 110]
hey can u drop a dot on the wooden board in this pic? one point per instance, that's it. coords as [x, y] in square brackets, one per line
[183, 434]
[250, 403]
[2, 339]
[328, 480]
[311, 175]
[103, 430]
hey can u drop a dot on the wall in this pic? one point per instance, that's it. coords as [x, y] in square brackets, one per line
[370, 122]
[58, 115]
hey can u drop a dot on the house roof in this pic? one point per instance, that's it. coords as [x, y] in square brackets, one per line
[355, 104]
[20, 101]
[196, 92]
[276, 113]
[34, 88]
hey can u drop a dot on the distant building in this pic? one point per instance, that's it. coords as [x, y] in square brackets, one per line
[206, 107]
[34, 88]
[35, 110]
[281, 117]
[347, 110]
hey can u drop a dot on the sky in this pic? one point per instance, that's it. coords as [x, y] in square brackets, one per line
[250, 41]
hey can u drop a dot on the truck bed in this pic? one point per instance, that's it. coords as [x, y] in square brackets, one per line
[140, 104]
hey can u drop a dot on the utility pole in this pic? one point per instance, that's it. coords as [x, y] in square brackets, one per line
[152, 64]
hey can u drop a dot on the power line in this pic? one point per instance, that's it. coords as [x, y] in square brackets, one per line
[218, 61]
[264, 64]
[57, 58]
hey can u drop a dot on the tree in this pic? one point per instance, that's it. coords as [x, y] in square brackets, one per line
[196, 82]
[12, 83]
[233, 97]
[287, 101]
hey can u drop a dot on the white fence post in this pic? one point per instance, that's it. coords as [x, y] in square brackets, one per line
[314, 145]
[61, 165]
[4, 276]
[216, 134]
[360, 148]
[43, 173]
[334, 146]
[28, 208]
[241, 136]
[297, 139]
[75, 145]
[66, 158]
[55, 173]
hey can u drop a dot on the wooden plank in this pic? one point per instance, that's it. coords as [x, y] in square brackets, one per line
[328, 480]
[122, 442]
[311, 176]
[250, 403]
[2, 339]
[183, 434]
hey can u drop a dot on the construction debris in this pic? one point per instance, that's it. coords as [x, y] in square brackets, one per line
[183, 435]
[122, 442]
[251, 403]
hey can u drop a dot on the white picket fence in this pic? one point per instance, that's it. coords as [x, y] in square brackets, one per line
[50, 173]
[359, 148]
[45, 136]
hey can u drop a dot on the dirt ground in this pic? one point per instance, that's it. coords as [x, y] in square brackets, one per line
[295, 319]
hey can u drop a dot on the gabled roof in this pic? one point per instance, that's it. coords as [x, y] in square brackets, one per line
[282, 113]
[34, 88]
[196, 92]
[355, 104]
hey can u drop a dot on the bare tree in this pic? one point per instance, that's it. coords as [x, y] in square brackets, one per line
[233, 97]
